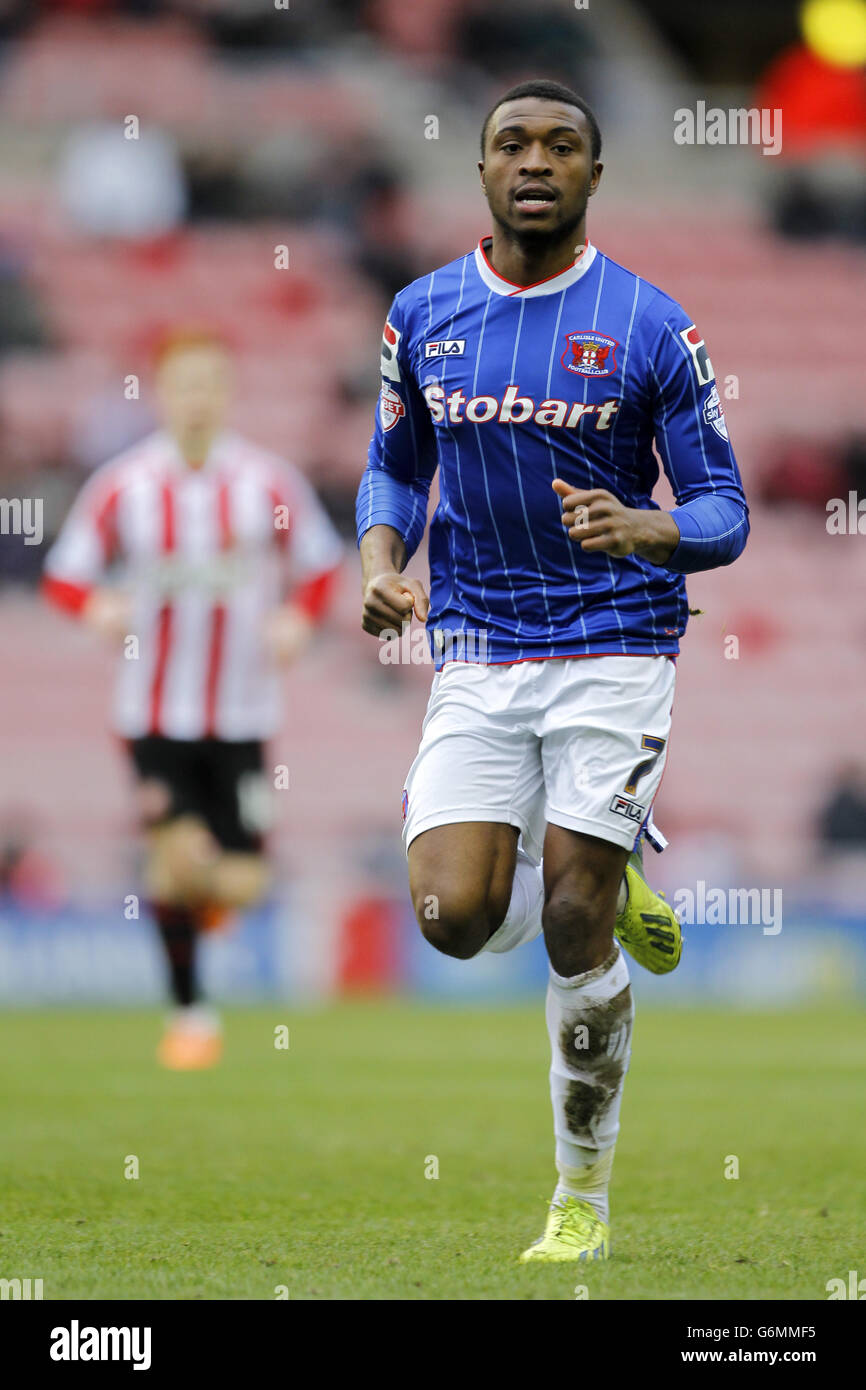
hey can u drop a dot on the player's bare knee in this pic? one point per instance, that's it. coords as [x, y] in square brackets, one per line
[182, 855]
[567, 911]
[239, 880]
[455, 925]
[578, 927]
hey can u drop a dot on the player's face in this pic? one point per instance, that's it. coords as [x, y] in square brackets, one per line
[193, 389]
[538, 171]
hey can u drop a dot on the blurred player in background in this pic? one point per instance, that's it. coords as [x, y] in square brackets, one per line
[536, 374]
[221, 562]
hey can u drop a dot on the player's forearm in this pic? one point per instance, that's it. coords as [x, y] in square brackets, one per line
[656, 536]
[383, 550]
[108, 612]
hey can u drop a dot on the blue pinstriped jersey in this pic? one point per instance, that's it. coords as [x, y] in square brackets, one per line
[504, 388]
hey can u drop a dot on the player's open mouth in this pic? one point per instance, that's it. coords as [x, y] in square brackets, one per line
[534, 198]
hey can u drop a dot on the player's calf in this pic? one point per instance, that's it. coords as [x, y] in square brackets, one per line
[589, 1014]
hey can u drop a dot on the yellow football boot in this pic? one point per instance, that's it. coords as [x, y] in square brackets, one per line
[574, 1231]
[647, 926]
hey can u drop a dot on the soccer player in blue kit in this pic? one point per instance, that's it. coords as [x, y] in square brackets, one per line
[536, 374]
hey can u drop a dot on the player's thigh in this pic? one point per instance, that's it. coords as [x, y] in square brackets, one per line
[604, 744]
[474, 787]
[463, 870]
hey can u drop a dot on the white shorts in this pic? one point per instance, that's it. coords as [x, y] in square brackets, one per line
[579, 742]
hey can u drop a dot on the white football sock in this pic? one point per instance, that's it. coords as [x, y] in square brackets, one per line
[589, 1021]
[195, 1018]
[523, 918]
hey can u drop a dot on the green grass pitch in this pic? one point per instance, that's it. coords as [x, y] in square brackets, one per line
[305, 1167]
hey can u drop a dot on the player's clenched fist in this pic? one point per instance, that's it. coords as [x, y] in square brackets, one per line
[598, 521]
[389, 600]
[287, 632]
[108, 612]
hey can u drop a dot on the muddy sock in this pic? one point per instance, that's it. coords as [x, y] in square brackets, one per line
[177, 929]
[589, 1020]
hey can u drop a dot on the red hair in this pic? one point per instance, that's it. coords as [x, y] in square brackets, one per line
[186, 338]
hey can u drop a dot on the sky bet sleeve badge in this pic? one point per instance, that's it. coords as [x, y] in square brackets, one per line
[714, 415]
[391, 408]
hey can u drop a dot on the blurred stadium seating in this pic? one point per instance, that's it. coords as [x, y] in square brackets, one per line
[290, 130]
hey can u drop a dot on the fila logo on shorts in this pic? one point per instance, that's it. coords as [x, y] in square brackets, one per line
[621, 806]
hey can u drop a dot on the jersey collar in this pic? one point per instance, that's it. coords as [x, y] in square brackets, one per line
[551, 285]
[218, 454]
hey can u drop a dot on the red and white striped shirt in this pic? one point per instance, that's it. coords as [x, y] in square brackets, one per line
[205, 554]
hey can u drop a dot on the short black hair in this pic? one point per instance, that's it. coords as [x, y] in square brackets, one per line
[546, 91]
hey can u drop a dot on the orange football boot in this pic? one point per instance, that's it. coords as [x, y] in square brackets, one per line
[212, 917]
[192, 1041]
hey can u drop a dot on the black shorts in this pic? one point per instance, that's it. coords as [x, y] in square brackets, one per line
[223, 783]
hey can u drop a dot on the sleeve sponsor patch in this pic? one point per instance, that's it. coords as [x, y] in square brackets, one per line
[391, 408]
[390, 343]
[702, 364]
[714, 415]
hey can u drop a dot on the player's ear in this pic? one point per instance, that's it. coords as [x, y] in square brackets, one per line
[595, 178]
[481, 174]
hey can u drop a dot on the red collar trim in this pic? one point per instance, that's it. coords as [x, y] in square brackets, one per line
[520, 288]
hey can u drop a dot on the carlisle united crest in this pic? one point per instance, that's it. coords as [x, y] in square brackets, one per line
[589, 353]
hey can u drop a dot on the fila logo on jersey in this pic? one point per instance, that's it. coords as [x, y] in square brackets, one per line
[714, 415]
[391, 408]
[448, 347]
[695, 344]
[592, 354]
[513, 409]
[390, 342]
